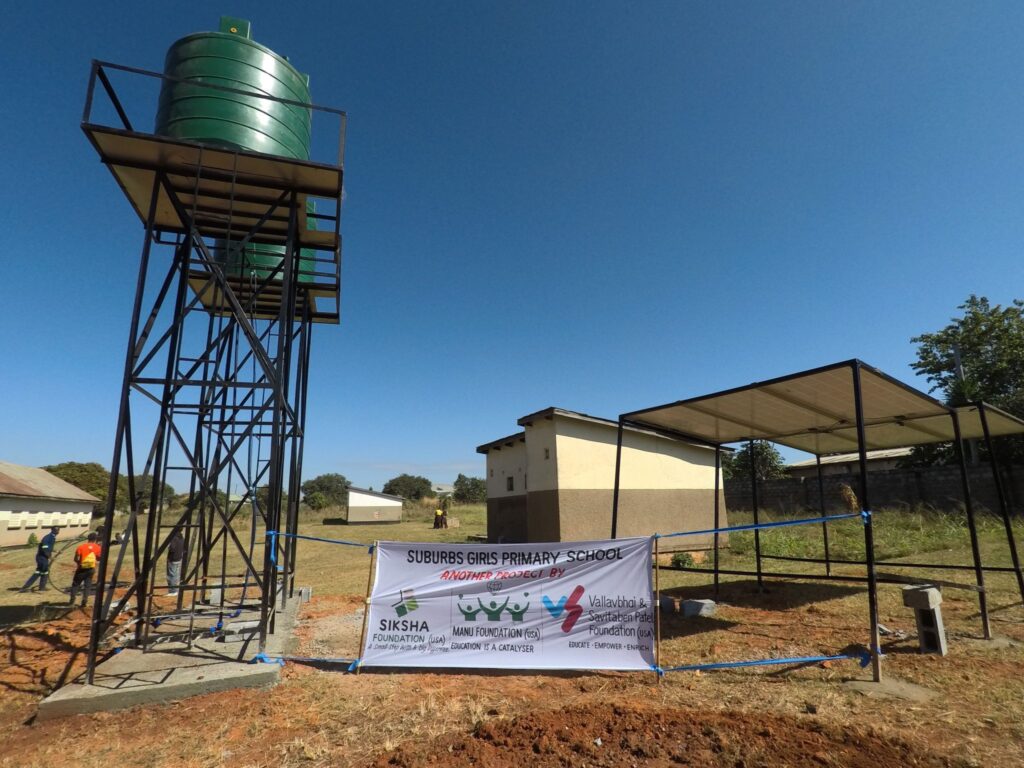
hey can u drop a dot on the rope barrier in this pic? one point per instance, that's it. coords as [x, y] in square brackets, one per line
[757, 526]
[273, 534]
[864, 658]
[263, 658]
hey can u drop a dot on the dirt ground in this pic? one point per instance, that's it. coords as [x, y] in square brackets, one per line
[766, 716]
[970, 713]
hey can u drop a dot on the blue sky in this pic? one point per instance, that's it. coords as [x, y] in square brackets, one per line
[597, 206]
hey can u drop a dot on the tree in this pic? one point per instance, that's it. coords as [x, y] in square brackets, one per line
[144, 487]
[92, 478]
[411, 487]
[469, 490]
[990, 343]
[263, 499]
[316, 501]
[767, 460]
[332, 489]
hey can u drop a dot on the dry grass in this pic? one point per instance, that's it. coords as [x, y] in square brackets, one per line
[324, 717]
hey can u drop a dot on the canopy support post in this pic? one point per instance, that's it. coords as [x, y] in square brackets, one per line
[869, 533]
[618, 470]
[718, 520]
[753, 503]
[821, 509]
[979, 574]
[1004, 509]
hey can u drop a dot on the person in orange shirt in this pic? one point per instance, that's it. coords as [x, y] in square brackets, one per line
[87, 557]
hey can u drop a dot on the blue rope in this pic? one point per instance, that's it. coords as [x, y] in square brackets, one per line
[369, 547]
[864, 658]
[262, 658]
[756, 526]
[265, 659]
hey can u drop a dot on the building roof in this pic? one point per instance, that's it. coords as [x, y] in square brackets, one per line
[378, 494]
[549, 413]
[32, 482]
[502, 442]
[815, 411]
[847, 458]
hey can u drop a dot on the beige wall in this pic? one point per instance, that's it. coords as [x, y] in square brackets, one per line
[542, 455]
[665, 486]
[21, 517]
[383, 514]
[586, 459]
[510, 461]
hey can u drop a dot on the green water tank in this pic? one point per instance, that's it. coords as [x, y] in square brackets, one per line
[190, 112]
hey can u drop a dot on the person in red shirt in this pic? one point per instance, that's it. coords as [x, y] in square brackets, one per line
[87, 557]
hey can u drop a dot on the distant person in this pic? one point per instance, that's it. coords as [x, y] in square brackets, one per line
[438, 518]
[446, 505]
[175, 554]
[87, 557]
[44, 553]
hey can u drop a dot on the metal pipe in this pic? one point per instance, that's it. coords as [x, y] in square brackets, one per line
[753, 503]
[1004, 507]
[821, 508]
[869, 532]
[979, 574]
[615, 491]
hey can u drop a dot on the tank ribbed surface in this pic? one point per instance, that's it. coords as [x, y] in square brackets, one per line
[191, 112]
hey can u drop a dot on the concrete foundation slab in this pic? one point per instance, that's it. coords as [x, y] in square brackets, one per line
[134, 677]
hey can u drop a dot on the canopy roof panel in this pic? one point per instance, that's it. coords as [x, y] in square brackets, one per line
[815, 411]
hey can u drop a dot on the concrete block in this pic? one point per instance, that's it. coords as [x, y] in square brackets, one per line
[240, 631]
[305, 594]
[922, 596]
[692, 608]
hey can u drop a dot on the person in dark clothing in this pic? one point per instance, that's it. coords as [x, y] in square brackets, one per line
[43, 555]
[87, 557]
[175, 554]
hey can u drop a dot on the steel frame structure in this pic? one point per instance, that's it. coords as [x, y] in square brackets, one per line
[215, 376]
[871, 577]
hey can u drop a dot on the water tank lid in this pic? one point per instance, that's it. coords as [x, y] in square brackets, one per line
[232, 26]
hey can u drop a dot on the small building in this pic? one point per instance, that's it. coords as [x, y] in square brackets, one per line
[366, 506]
[848, 463]
[32, 501]
[442, 490]
[555, 480]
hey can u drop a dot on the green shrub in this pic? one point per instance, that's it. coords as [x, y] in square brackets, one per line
[682, 560]
[33, 540]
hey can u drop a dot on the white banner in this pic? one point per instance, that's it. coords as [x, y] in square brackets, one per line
[571, 605]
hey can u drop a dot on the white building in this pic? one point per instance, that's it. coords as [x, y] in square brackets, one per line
[372, 507]
[32, 501]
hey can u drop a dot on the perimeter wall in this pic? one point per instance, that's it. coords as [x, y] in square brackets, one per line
[938, 487]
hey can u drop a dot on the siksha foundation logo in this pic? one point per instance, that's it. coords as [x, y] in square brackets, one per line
[570, 606]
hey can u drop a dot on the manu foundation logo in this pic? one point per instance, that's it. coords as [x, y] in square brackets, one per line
[493, 609]
[568, 605]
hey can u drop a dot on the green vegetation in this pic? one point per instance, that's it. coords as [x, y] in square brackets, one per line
[409, 487]
[767, 460]
[330, 490]
[989, 340]
[469, 490]
[897, 533]
[682, 560]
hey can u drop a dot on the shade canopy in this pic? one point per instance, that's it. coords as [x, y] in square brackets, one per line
[815, 411]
